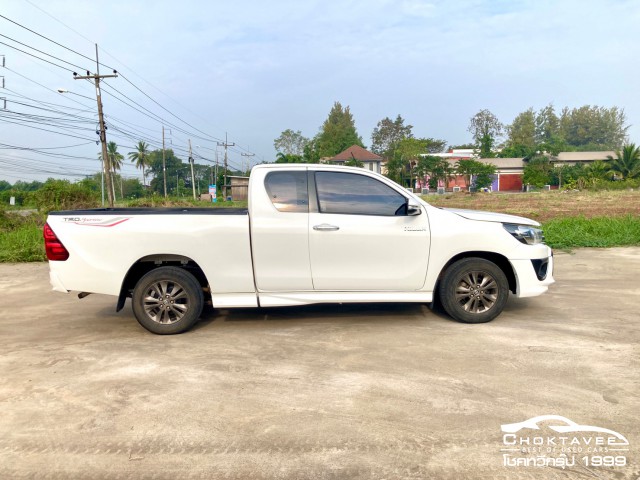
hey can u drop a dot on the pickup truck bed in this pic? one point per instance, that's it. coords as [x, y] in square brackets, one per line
[153, 211]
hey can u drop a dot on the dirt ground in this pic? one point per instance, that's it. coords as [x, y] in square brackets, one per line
[321, 392]
[543, 206]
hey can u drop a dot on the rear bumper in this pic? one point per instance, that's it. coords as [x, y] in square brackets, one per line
[530, 282]
[56, 283]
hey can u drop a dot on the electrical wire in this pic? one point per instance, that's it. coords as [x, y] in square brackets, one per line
[35, 56]
[46, 88]
[40, 51]
[158, 118]
[47, 38]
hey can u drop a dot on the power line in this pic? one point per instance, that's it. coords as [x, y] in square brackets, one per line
[67, 123]
[91, 41]
[168, 111]
[47, 148]
[45, 130]
[206, 137]
[40, 51]
[46, 88]
[35, 56]
[47, 38]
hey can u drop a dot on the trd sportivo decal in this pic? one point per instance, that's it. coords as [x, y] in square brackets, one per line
[96, 222]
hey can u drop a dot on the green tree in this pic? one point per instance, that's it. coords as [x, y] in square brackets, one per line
[290, 143]
[141, 157]
[387, 135]
[593, 127]
[522, 133]
[113, 163]
[311, 154]
[410, 150]
[434, 145]
[354, 162]
[537, 171]
[485, 129]
[115, 160]
[597, 170]
[484, 175]
[626, 163]
[338, 132]
[438, 169]
[470, 168]
[289, 158]
[174, 167]
[133, 188]
[396, 169]
[547, 125]
[463, 146]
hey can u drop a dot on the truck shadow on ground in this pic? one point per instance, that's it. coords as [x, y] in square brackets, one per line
[360, 313]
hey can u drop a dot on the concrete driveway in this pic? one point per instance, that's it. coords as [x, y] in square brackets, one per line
[366, 391]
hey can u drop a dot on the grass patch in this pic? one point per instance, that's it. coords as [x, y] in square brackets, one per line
[24, 244]
[21, 238]
[573, 232]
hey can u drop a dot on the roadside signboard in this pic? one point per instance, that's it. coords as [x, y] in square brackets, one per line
[213, 193]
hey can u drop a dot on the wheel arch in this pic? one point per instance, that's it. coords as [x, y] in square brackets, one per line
[500, 260]
[148, 263]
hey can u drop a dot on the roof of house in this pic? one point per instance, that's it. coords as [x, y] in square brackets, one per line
[504, 162]
[584, 156]
[358, 153]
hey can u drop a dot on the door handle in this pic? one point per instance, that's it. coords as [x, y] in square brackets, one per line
[325, 227]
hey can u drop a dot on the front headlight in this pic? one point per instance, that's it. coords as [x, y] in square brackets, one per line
[525, 233]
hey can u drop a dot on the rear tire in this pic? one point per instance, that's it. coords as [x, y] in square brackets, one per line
[474, 290]
[167, 300]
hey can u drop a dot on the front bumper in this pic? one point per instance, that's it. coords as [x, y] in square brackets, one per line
[533, 277]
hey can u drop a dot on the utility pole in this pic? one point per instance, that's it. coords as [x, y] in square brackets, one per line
[164, 165]
[225, 144]
[193, 178]
[106, 163]
[249, 161]
[216, 177]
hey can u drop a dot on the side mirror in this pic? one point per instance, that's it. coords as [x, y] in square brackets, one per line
[413, 210]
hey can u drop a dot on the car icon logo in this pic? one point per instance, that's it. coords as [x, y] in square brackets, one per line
[563, 425]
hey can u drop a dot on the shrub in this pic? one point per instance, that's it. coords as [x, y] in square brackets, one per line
[64, 195]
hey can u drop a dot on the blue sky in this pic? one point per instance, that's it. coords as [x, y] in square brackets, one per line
[255, 68]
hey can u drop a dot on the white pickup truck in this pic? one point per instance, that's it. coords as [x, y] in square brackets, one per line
[311, 234]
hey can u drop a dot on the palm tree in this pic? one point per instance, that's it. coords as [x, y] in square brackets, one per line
[141, 157]
[115, 161]
[627, 162]
[599, 170]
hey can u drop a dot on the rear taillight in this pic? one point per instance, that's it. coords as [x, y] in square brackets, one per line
[54, 247]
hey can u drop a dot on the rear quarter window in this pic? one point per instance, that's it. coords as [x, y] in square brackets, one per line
[288, 191]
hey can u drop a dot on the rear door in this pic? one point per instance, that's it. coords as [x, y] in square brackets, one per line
[361, 237]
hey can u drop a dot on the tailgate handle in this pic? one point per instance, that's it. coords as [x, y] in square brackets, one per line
[325, 227]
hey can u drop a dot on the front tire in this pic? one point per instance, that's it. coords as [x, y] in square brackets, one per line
[167, 300]
[474, 290]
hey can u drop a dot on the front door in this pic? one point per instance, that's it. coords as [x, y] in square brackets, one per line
[362, 239]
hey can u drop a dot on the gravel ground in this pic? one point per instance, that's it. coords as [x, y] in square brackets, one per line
[354, 391]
